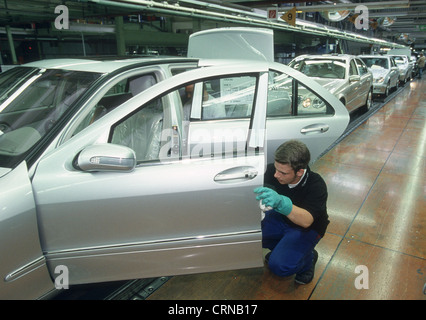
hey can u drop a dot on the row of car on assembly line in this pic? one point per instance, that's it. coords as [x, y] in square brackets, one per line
[143, 167]
[355, 80]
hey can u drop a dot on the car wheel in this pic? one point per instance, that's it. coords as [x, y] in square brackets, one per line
[369, 101]
[387, 89]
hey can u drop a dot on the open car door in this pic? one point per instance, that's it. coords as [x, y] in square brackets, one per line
[175, 212]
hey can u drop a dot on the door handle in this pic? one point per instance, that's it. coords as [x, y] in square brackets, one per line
[236, 174]
[315, 128]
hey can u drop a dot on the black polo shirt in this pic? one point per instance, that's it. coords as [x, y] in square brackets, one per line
[310, 194]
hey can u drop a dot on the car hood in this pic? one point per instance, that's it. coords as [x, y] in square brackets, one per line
[331, 85]
[4, 171]
[378, 73]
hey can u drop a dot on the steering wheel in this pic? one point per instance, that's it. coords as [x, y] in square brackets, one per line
[4, 127]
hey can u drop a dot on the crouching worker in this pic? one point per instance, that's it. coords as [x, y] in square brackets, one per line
[298, 217]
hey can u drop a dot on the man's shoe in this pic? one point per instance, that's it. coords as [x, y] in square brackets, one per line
[266, 253]
[308, 275]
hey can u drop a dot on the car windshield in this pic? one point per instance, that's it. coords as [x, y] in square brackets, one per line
[399, 60]
[321, 68]
[376, 63]
[31, 102]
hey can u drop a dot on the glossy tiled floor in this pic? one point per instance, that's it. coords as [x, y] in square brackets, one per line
[377, 207]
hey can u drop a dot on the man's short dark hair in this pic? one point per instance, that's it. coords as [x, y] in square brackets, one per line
[293, 153]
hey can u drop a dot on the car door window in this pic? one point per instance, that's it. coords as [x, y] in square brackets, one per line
[141, 131]
[118, 92]
[223, 98]
[280, 92]
[207, 107]
[284, 92]
[361, 67]
[353, 70]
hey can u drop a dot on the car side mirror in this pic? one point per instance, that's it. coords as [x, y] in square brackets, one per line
[394, 68]
[354, 78]
[105, 157]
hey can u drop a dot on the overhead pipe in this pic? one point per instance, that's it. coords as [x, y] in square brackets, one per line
[239, 16]
[351, 6]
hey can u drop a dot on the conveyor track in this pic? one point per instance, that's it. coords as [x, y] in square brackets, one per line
[139, 289]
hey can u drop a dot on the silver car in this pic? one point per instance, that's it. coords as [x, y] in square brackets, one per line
[385, 73]
[345, 76]
[404, 66]
[96, 189]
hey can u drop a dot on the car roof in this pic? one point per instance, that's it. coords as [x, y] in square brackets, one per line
[373, 56]
[328, 56]
[104, 65]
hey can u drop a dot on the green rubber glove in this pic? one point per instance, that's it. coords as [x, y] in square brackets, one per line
[269, 197]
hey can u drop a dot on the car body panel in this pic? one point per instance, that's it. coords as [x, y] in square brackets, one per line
[404, 66]
[349, 80]
[23, 265]
[4, 171]
[385, 72]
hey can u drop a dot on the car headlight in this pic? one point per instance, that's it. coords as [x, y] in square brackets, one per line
[380, 80]
[315, 102]
[306, 103]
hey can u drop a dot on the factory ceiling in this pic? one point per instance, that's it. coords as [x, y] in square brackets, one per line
[401, 21]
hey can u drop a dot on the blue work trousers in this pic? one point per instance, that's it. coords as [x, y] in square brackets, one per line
[291, 247]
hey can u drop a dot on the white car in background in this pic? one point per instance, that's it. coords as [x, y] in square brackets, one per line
[385, 73]
[111, 170]
[345, 76]
[404, 66]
